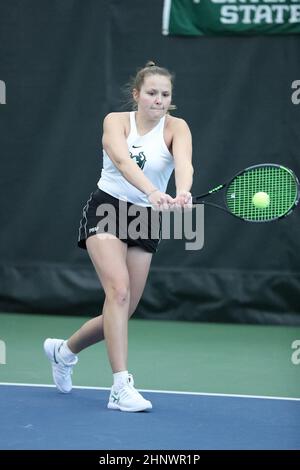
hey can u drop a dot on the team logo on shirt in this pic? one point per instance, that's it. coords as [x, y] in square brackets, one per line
[139, 159]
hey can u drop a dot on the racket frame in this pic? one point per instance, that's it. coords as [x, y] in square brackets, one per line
[199, 199]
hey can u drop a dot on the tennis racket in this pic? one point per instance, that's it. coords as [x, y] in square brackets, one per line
[259, 193]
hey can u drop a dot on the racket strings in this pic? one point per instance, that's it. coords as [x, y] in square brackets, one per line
[278, 182]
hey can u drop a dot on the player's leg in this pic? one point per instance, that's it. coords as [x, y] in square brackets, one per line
[110, 261]
[91, 332]
[138, 265]
[108, 255]
[128, 398]
[109, 258]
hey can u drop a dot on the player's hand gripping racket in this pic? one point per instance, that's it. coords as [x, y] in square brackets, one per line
[260, 193]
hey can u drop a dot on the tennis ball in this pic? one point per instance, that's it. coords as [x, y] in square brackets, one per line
[261, 200]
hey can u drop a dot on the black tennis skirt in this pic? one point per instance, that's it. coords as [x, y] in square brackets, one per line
[133, 224]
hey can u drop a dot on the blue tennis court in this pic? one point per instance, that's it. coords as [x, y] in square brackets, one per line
[38, 417]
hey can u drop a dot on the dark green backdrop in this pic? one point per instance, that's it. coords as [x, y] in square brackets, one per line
[64, 63]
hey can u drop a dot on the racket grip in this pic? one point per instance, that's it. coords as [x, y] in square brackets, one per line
[196, 200]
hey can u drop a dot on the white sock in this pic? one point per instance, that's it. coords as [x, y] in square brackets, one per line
[120, 379]
[66, 353]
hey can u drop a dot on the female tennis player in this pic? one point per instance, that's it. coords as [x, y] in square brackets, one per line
[140, 151]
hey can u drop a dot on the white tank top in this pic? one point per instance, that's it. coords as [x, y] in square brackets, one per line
[150, 153]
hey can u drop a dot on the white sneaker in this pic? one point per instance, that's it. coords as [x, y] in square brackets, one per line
[128, 398]
[61, 371]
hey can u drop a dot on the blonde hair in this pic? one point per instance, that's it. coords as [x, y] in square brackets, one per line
[136, 82]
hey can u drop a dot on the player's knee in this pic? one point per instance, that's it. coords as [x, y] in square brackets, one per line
[119, 293]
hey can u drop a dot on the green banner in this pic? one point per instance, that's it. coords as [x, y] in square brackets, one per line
[221, 17]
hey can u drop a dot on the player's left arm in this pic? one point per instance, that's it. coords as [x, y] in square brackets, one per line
[182, 153]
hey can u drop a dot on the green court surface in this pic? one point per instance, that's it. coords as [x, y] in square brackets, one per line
[178, 356]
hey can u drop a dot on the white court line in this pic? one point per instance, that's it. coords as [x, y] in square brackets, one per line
[258, 397]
